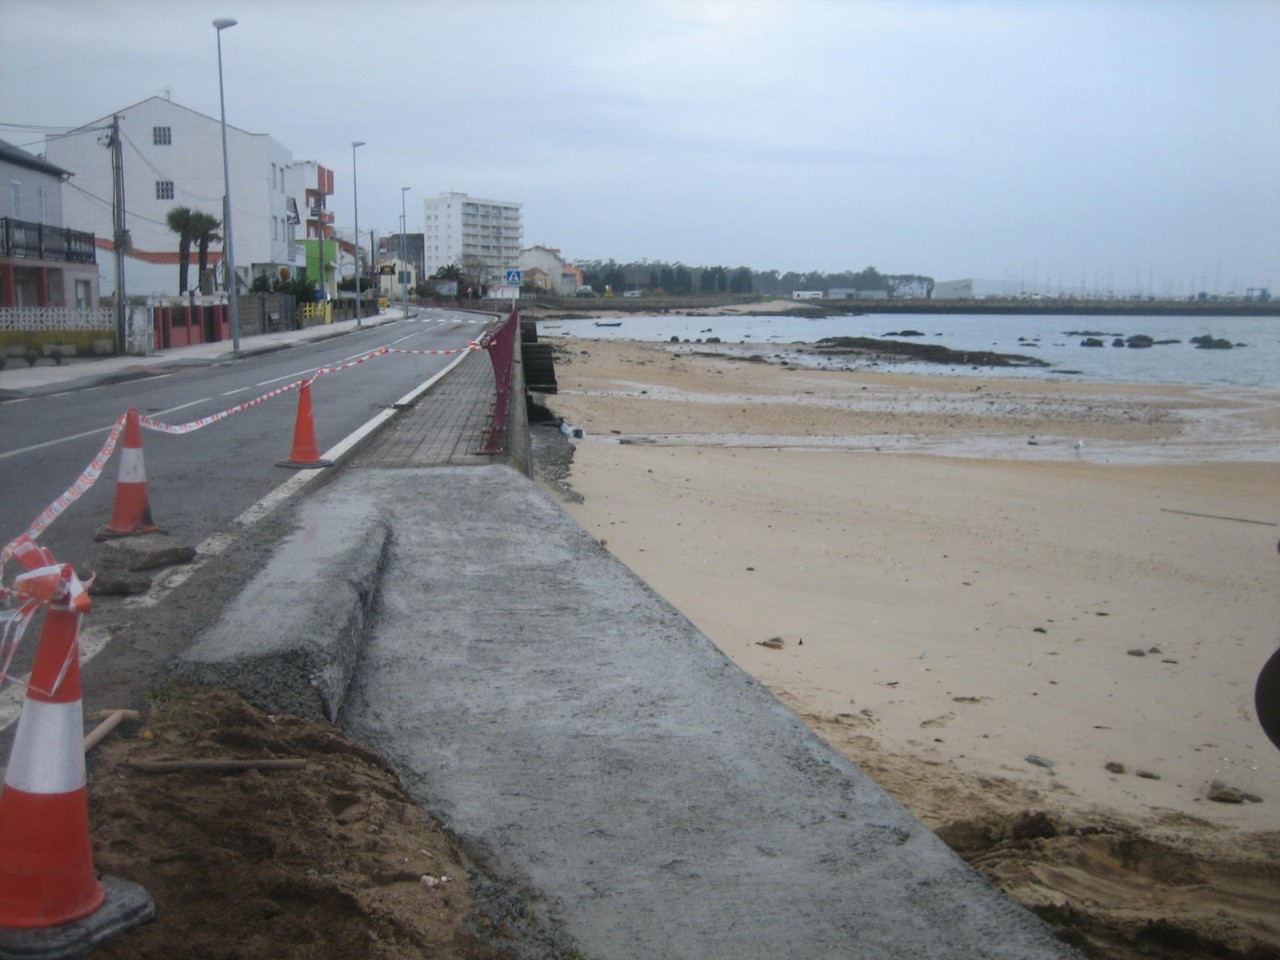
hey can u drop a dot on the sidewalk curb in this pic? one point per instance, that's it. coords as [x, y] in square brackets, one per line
[291, 641]
[129, 367]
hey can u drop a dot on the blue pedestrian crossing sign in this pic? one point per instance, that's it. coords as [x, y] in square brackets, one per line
[515, 276]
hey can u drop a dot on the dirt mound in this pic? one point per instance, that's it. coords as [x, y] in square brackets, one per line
[1171, 888]
[1121, 894]
[330, 860]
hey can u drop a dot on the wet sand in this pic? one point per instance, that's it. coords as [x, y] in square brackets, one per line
[983, 592]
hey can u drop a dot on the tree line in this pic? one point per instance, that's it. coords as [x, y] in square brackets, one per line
[677, 279]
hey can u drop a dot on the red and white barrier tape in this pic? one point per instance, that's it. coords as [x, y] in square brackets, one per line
[45, 582]
[190, 427]
[94, 470]
[73, 493]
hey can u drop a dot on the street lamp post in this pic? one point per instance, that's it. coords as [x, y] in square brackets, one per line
[355, 200]
[404, 286]
[229, 258]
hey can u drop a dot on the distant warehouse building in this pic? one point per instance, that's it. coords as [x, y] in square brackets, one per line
[852, 293]
[953, 290]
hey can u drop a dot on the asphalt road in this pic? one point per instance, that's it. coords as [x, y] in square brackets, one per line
[198, 483]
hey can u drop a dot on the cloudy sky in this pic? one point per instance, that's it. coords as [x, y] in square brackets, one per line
[1097, 142]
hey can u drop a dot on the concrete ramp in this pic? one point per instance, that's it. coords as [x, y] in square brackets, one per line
[646, 797]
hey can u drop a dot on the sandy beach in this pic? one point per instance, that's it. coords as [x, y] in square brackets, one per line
[1033, 610]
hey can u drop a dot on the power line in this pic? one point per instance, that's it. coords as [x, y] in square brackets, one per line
[180, 188]
[50, 133]
[107, 203]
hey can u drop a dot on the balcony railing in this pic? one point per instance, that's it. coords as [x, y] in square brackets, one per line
[38, 241]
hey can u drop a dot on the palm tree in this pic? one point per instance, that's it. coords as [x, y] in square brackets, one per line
[179, 220]
[204, 229]
[449, 272]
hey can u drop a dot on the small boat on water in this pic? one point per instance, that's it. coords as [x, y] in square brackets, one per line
[615, 323]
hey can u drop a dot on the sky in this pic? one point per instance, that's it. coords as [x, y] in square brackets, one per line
[1068, 144]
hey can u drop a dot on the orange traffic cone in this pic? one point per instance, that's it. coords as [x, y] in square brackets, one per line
[131, 515]
[47, 878]
[305, 453]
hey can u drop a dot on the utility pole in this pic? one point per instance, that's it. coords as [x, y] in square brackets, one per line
[119, 235]
[324, 299]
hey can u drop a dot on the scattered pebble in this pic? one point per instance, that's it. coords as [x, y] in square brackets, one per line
[773, 643]
[1146, 775]
[1221, 793]
[1137, 653]
[1113, 767]
[1036, 760]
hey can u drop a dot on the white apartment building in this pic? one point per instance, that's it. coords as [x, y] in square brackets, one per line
[481, 236]
[172, 157]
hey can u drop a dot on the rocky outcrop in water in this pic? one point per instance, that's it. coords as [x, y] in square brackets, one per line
[925, 352]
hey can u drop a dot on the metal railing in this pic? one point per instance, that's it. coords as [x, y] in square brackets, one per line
[501, 344]
[37, 241]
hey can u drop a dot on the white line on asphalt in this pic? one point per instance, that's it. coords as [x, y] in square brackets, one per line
[51, 443]
[181, 406]
[92, 641]
[416, 392]
[90, 433]
[14, 693]
[310, 370]
[288, 376]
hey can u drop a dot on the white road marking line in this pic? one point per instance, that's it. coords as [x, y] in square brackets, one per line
[52, 443]
[94, 641]
[90, 433]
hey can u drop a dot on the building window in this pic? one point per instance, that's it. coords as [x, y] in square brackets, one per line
[84, 289]
[164, 189]
[44, 205]
[162, 136]
[15, 199]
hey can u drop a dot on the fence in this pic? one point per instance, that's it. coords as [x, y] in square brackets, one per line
[56, 319]
[73, 328]
[38, 241]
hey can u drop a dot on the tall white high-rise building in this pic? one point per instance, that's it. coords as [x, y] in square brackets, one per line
[481, 236]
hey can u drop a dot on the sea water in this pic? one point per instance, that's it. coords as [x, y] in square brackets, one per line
[1253, 361]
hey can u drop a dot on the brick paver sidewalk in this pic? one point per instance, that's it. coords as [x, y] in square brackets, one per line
[447, 425]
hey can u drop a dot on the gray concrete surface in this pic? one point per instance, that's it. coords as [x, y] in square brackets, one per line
[291, 642]
[640, 794]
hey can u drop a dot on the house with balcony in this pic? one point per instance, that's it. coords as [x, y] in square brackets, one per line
[315, 184]
[172, 157]
[49, 283]
[42, 262]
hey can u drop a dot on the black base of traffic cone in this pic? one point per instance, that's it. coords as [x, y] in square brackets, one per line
[126, 906]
